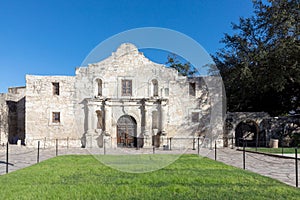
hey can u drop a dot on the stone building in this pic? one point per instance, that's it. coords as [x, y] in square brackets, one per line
[258, 129]
[125, 100]
[12, 116]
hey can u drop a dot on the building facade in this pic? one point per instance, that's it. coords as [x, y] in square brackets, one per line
[125, 100]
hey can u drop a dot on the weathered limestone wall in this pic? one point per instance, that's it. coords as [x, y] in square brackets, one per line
[235, 118]
[80, 104]
[3, 119]
[40, 105]
[12, 111]
[16, 102]
[127, 63]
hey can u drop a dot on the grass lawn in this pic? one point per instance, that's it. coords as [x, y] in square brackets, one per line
[190, 177]
[274, 150]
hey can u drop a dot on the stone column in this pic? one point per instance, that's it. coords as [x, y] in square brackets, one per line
[147, 138]
[110, 140]
[90, 132]
[144, 119]
[106, 119]
[162, 119]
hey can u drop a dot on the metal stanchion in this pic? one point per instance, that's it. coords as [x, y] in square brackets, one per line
[244, 155]
[153, 150]
[296, 165]
[38, 152]
[7, 157]
[56, 147]
[198, 145]
[104, 147]
[170, 143]
[215, 150]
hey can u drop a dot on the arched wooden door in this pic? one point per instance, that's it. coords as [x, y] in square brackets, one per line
[126, 131]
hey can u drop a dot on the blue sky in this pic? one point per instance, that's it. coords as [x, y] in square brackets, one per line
[52, 37]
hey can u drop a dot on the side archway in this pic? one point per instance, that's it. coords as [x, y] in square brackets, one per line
[248, 131]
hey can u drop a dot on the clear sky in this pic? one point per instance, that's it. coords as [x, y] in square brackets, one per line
[52, 37]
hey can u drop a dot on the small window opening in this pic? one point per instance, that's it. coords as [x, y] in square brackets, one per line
[195, 117]
[155, 87]
[192, 89]
[56, 117]
[55, 88]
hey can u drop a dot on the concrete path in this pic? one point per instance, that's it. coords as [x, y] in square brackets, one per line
[277, 168]
[281, 169]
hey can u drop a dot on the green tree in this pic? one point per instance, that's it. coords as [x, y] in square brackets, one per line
[185, 69]
[260, 63]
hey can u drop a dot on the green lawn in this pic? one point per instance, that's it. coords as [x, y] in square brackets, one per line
[190, 177]
[274, 150]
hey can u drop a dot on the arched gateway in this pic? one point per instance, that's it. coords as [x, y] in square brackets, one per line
[127, 132]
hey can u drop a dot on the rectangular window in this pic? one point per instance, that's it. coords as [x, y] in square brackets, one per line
[55, 88]
[192, 89]
[195, 117]
[126, 87]
[56, 117]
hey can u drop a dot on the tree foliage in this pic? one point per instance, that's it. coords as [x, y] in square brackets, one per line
[185, 69]
[260, 63]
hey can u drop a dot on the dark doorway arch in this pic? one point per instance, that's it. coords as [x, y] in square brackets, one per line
[248, 131]
[127, 132]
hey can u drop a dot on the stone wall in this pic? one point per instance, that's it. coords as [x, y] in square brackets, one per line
[12, 111]
[286, 129]
[176, 104]
[236, 128]
[84, 110]
[3, 119]
[42, 103]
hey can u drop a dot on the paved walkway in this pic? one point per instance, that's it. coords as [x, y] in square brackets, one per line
[277, 168]
[281, 169]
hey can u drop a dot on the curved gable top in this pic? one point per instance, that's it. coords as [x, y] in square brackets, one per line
[128, 55]
[124, 49]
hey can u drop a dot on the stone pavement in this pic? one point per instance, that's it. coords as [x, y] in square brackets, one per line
[277, 168]
[281, 169]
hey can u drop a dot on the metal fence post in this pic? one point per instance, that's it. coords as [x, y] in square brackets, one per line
[170, 143]
[296, 165]
[56, 146]
[244, 156]
[198, 145]
[104, 147]
[7, 157]
[38, 152]
[153, 150]
[215, 150]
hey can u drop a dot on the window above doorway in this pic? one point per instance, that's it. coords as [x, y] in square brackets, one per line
[126, 87]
